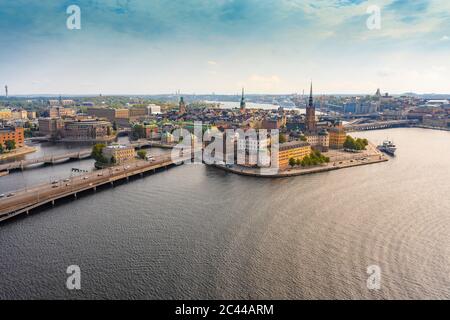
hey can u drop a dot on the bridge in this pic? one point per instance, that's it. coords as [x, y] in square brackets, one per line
[52, 159]
[23, 201]
[143, 143]
[380, 125]
[82, 154]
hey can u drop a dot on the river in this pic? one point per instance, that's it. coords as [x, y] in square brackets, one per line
[195, 232]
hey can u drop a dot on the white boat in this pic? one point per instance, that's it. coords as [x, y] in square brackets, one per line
[388, 147]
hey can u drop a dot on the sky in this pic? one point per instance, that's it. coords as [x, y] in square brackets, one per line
[219, 46]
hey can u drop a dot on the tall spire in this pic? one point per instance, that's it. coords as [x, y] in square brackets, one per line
[242, 106]
[311, 113]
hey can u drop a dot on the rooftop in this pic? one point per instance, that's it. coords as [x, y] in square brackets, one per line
[293, 144]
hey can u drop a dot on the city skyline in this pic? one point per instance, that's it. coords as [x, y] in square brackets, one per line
[268, 47]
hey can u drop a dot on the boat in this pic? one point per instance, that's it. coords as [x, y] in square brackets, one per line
[388, 147]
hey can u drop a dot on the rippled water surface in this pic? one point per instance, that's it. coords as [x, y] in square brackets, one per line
[198, 232]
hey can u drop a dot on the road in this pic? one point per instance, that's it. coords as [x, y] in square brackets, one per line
[39, 194]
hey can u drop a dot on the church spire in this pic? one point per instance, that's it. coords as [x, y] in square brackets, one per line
[311, 102]
[242, 106]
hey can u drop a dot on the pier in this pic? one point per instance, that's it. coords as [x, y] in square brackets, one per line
[23, 201]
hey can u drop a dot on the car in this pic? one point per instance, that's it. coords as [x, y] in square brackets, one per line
[66, 180]
[100, 175]
[55, 181]
[55, 186]
[12, 194]
[2, 195]
[85, 178]
[67, 184]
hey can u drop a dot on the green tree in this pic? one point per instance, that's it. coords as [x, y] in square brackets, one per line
[115, 125]
[142, 154]
[292, 162]
[282, 138]
[97, 153]
[10, 145]
[355, 144]
[298, 162]
[1, 149]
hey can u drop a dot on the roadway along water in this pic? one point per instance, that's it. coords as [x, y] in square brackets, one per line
[198, 232]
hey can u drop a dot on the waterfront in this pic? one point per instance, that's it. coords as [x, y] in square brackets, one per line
[199, 232]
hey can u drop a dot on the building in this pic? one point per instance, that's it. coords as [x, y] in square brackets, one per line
[31, 115]
[167, 137]
[118, 154]
[153, 109]
[61, 112]
[14, 134]
[293, 149]
[337, 136]
[50, 126]
[436, 121]
[5, 114]
[273, 123]
[110, 114]
[311, 114]
[60, 102]
[87, 130]
[242, 104]
[181, 106]
[136, 113]
[19, 115]
[319, 140]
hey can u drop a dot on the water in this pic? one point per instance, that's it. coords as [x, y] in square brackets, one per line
[197, 232]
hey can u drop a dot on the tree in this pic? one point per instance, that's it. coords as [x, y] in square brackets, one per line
[115, 125]
[1, 148]
[358, 144]
[10, 145]
[97, 153]
[282, 138]
[292, 162]
[142, 154]
[298, 162]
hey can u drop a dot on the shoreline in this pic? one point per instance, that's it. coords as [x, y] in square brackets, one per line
[17, 153]
[352, 160]
[295, 172]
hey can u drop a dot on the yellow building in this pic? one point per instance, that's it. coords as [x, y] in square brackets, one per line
[5, 114]
[337, 136]
[293, 149]
[119, 153]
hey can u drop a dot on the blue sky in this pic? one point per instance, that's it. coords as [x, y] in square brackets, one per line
[204, 46]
